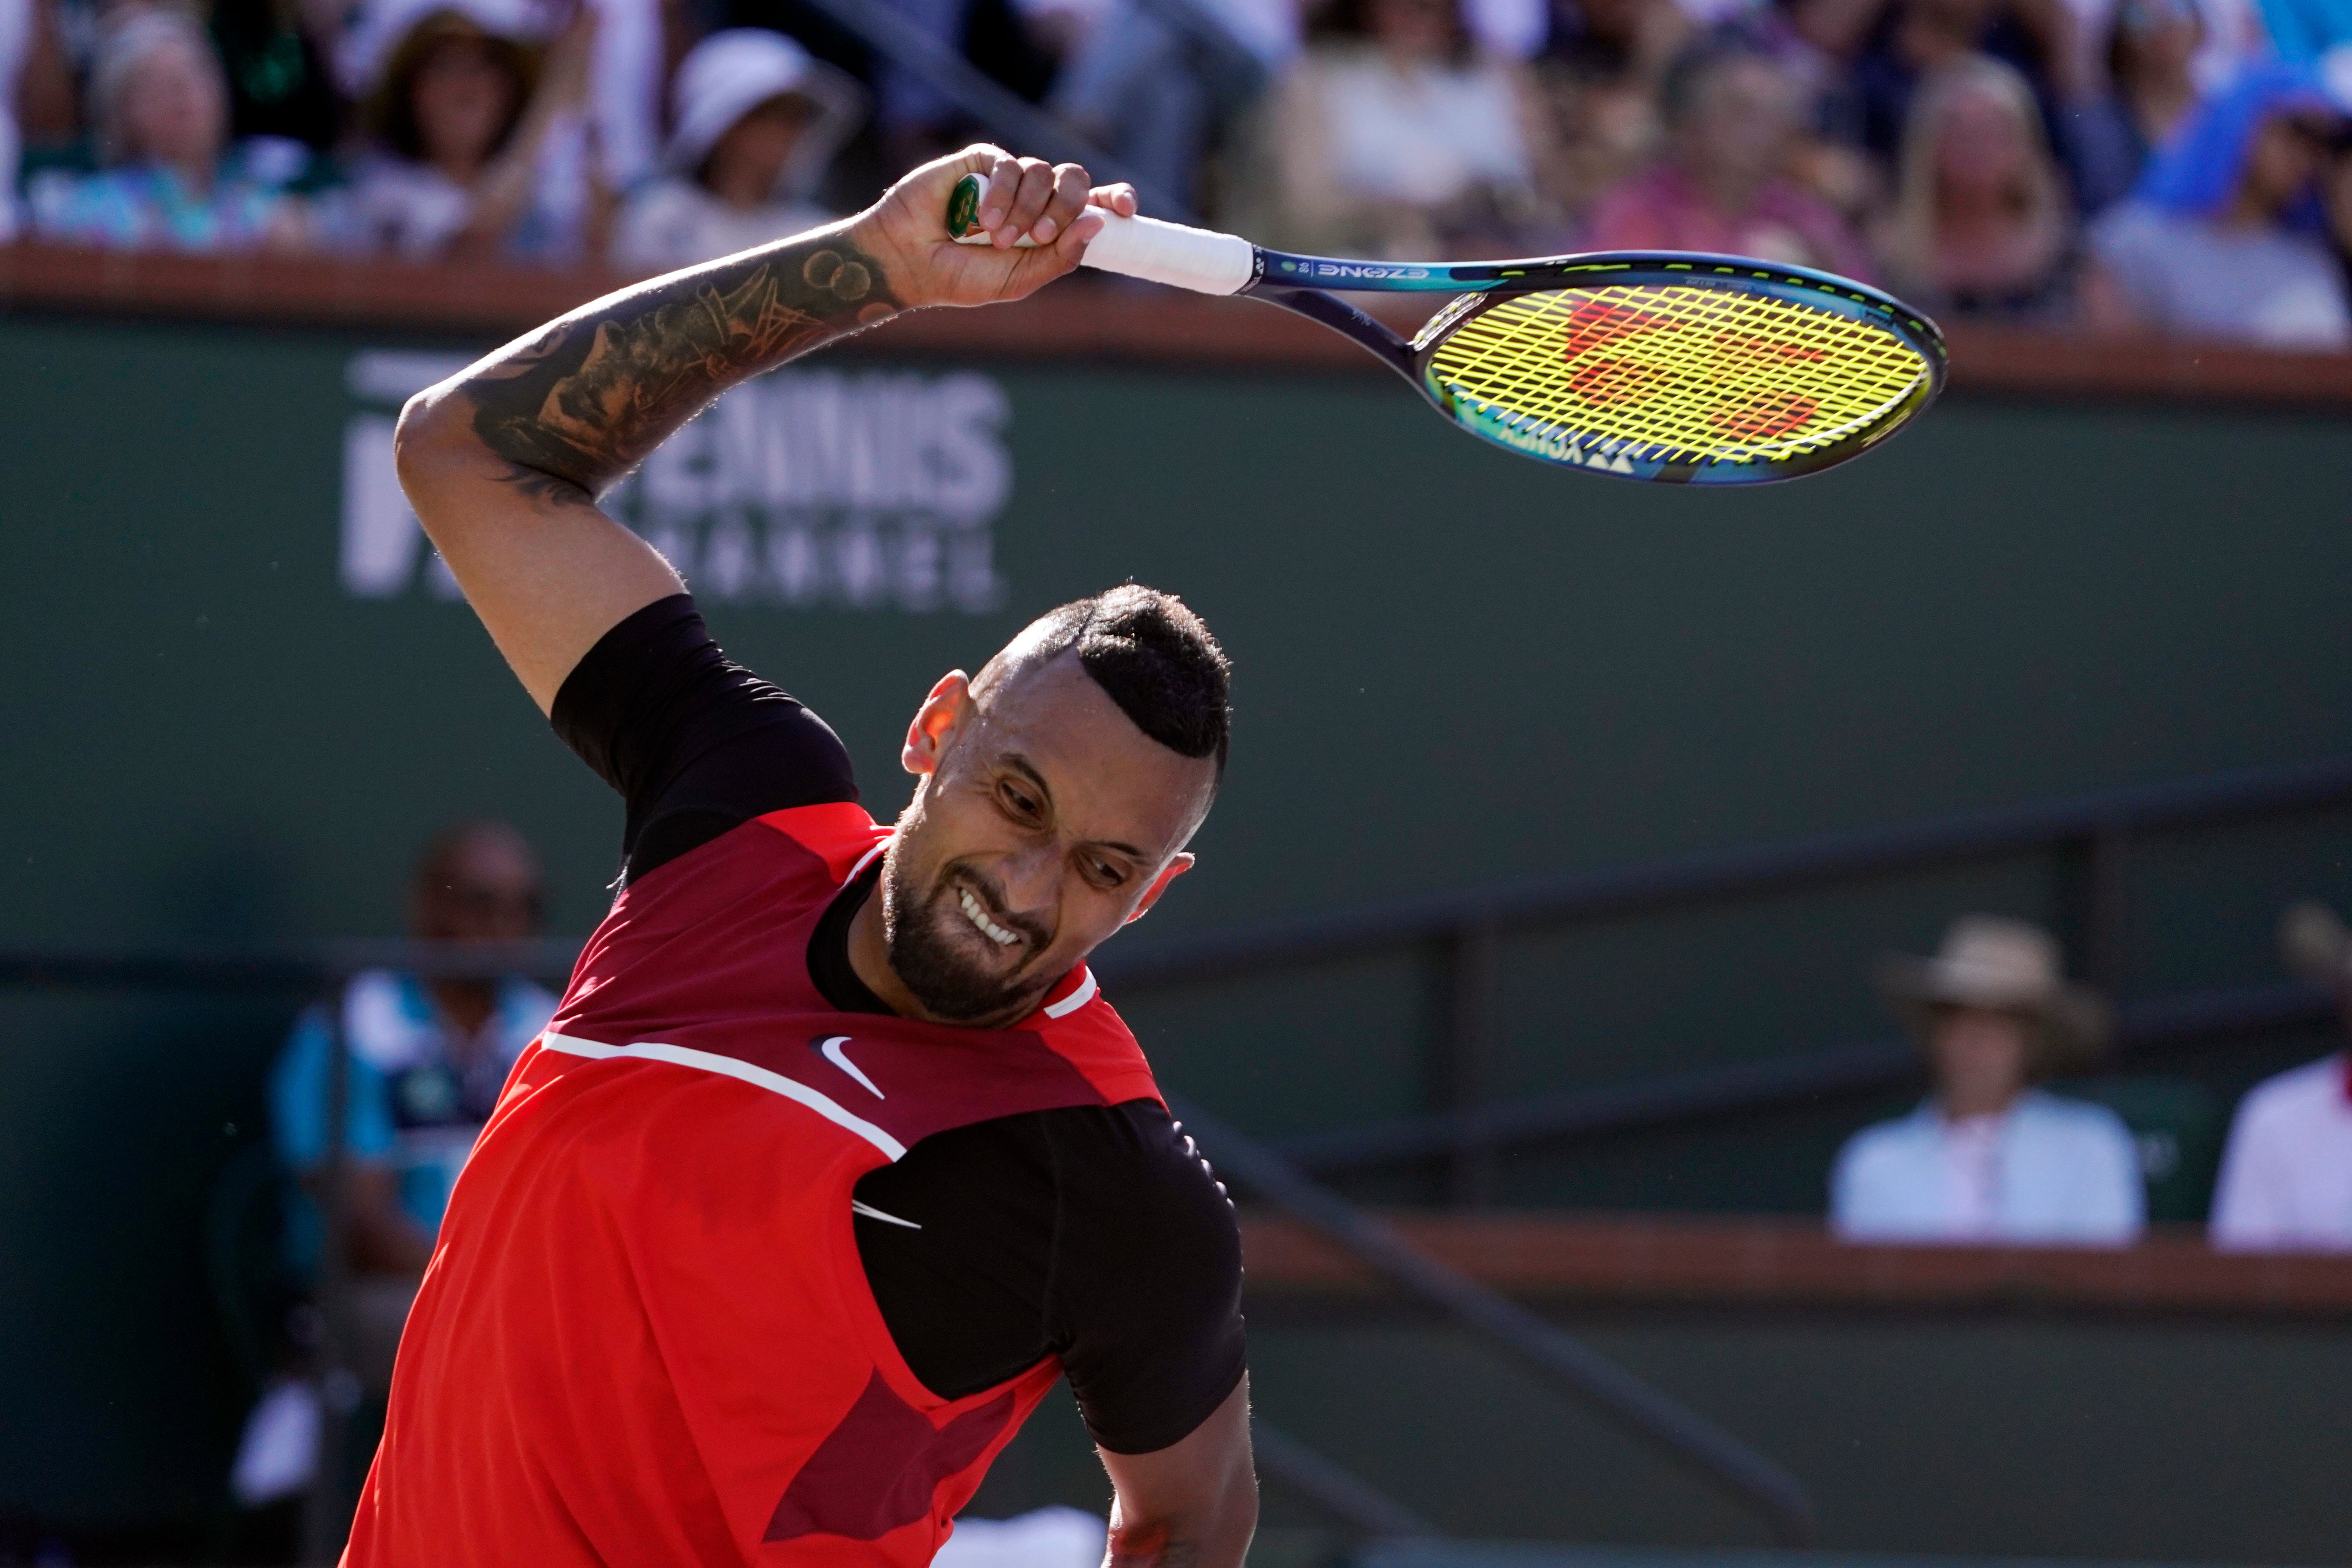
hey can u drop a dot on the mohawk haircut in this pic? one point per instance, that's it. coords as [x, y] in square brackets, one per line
[1151, 655]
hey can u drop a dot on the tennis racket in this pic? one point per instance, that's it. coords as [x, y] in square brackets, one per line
[1671, 367]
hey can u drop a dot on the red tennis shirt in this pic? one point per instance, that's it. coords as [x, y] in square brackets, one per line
[645, 1337]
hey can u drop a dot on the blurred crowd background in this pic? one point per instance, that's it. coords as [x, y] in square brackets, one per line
[2179, 166]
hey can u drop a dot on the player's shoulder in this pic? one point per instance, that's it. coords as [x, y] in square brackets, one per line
[1132, 1163]
[1077, 1021]
[839, 833]
[761, 874]
[2314, 1089]
[2079, 1118]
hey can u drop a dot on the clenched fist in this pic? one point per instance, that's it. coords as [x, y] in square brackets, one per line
[1049, 205]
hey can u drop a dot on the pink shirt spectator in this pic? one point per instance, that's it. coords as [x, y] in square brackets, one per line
[1662, 210]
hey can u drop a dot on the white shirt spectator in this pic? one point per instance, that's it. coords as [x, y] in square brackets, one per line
[2193, 278]
[677, 222]
[2045, 1172]
[2286, 1175]
[1420, 137]
[409, 210]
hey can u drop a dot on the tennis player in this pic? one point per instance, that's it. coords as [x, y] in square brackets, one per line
[834, 1159]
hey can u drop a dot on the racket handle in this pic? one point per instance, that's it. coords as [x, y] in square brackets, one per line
[1197, 258]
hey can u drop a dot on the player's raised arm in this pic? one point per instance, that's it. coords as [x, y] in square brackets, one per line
[505, 460]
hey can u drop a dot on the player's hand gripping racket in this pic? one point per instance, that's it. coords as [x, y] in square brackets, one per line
[1714, 369]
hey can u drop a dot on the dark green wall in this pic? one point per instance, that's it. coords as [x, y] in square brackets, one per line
[1453, 667]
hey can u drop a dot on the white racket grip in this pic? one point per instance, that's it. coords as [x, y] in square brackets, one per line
[1197, 258]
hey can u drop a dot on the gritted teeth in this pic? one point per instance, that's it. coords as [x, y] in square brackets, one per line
[979, 917]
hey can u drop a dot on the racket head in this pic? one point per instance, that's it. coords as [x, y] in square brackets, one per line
[1677, 368]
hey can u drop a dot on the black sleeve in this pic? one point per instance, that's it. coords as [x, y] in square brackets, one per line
[1145, 1300]
[696, 745]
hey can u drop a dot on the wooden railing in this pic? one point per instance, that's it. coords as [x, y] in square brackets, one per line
[1770, 1261]
[1091, 318]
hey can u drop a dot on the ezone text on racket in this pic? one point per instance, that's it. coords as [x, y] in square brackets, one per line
[1355, 269]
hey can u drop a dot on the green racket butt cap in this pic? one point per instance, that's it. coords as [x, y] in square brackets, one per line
[963, 206]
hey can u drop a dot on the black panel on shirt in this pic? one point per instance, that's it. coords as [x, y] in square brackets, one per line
[696, 745]
[1092, 1233]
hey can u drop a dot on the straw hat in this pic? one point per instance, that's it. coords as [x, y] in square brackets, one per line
[392, 37]
[732, 73]
[2315, 945]
[2006, 966]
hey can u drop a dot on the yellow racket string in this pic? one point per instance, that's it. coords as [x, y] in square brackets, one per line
[1680, 374]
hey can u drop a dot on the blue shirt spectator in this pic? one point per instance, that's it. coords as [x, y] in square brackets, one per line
[1986, 1160]
[426, 1060]
[2222, 238]
[419, 1087]
[171, 181]
[2046, 1170]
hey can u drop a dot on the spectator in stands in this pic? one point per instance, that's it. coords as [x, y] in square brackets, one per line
[2222, 238]
[2151, 75]
[916, 120]
[2236, 35]
[2151, 58]
[1596, 85]
[1980, 227]
[1392, 136]
[1154, 93]
[755, 121]
[478, 137]
[17, 28]
[2287, 1173]
[41, 93]
[1986, 1158]
[170, 178]
[277, 55]
[426, 1061]
[1732, 119]
[1890, 46]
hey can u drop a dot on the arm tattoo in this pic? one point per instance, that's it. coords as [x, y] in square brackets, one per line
[580, 401]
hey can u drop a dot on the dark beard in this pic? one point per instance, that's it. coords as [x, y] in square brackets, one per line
[929, 965]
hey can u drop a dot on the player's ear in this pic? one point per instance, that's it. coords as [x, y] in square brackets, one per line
[942, 713]
[1167, 873]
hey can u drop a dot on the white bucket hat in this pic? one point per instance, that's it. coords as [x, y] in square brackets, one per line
[732, 73]
[2006, 966]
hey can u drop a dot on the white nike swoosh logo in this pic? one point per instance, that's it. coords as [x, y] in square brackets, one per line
[870, 1213]
[833, 1054]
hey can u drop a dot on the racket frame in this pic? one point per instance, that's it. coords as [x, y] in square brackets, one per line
[1301, 283]
[1226, 263]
